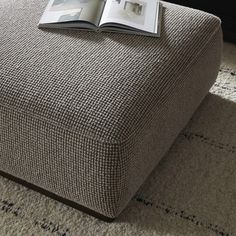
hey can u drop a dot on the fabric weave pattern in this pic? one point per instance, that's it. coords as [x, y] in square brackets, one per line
[88, 115]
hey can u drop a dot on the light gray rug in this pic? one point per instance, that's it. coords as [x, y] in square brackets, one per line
[191, 192]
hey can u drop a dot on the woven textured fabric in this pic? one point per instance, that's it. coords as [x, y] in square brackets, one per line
[88, 116]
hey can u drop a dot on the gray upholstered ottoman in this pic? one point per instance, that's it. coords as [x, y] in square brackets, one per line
[87, 116]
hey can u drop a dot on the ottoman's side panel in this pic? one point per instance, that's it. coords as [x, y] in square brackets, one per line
[171, 115]
[77, 168]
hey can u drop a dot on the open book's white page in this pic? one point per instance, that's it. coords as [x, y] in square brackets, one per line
[140, 14]
[73, 10]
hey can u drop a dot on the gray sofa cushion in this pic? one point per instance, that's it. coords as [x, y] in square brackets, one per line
[88, 116]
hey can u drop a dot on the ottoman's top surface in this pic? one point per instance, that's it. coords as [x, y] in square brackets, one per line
[101, 85]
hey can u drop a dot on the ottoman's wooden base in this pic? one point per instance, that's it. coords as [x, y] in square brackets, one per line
[57, 198]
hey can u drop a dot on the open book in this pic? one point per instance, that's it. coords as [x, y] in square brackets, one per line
[125, 16]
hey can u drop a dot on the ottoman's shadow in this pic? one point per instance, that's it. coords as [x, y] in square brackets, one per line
[194, 186]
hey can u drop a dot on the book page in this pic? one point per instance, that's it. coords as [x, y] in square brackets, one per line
[139, 14]
[58, 11]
